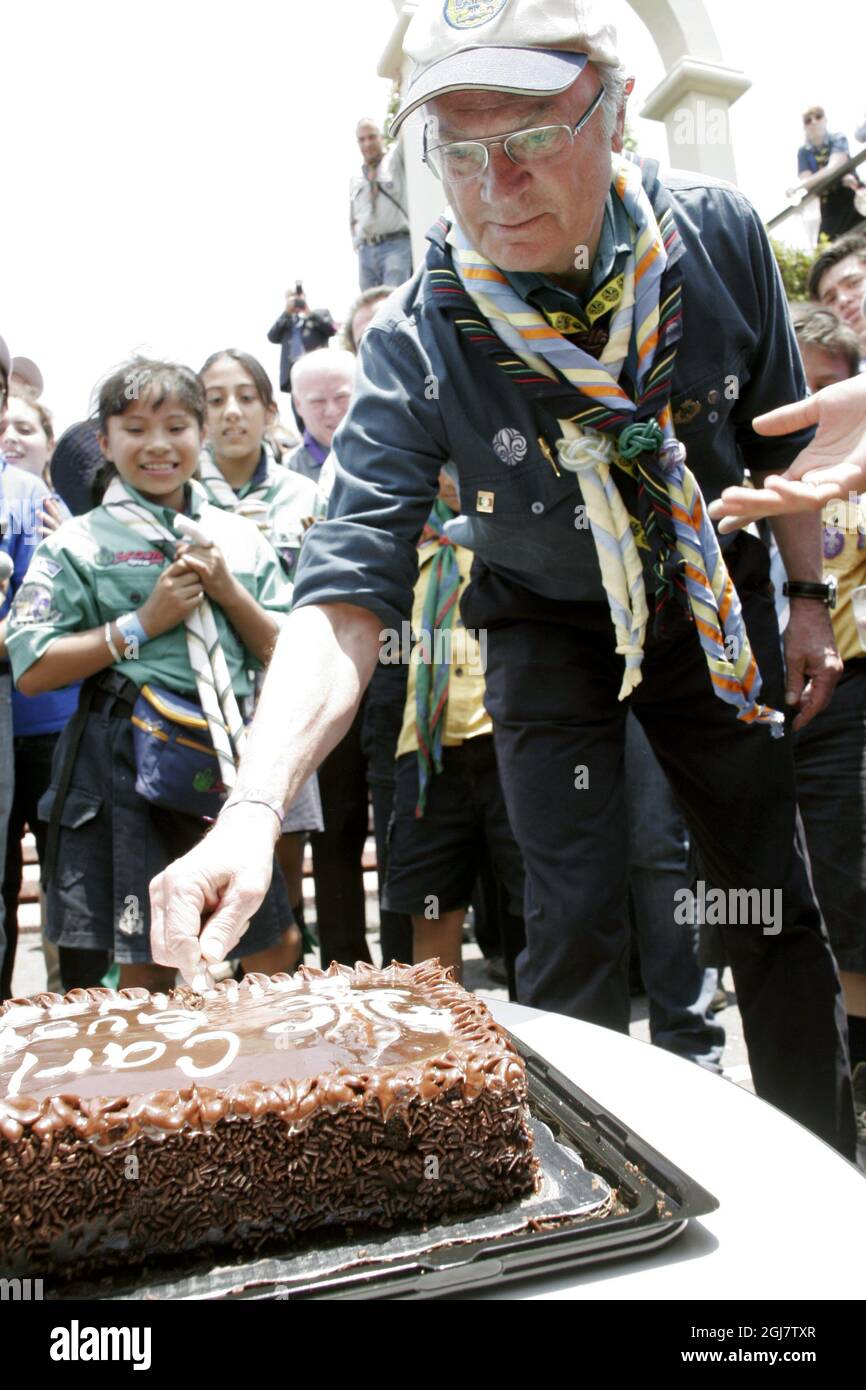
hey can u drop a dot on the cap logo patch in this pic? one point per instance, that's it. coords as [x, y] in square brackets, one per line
[469, 14]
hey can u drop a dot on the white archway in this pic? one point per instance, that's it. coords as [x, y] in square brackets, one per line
[696, 94]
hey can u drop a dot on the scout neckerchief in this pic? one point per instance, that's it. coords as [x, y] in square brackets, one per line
[206, 656]
[610, 427]
[431, 678]
[253, 504]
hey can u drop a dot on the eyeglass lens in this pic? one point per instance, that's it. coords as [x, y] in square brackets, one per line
[466, 159]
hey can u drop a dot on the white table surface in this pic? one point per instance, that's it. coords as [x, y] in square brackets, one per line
[791, 1223]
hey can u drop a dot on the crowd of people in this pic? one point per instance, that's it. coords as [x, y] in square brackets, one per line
[419, 553]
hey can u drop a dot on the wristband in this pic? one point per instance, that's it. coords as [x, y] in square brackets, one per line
[256, 798]
[110, 640]
[132, 627]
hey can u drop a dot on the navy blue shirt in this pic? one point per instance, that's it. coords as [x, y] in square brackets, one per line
[422, 401]
[21, 496]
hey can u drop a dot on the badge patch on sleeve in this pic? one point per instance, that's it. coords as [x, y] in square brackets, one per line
[32, 606]
[44, 566]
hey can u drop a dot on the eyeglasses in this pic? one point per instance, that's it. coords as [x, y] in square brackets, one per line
[466, 159]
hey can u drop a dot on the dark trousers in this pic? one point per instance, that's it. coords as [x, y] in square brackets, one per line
[552, 682]
[337, 852]
[33, 756]
[380, 732]
[830, 758]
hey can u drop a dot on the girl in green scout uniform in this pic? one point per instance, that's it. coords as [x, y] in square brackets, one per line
[238, 474]
[117, 598]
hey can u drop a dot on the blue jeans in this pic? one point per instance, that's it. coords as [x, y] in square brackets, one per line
[387, 263]
[680, 989]
[7, 784]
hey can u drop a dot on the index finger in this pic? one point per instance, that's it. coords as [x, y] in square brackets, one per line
[787, 418]
[175, 923]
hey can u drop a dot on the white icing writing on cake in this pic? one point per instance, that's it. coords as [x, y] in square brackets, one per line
[370, 1017]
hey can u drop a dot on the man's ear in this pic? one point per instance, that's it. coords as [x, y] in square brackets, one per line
[616, 139]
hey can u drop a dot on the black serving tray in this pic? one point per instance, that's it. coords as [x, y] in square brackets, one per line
[652, 1203]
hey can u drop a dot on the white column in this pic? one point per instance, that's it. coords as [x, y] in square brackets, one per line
[694, 101]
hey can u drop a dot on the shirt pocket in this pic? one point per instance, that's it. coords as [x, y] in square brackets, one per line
[525, 486]
[703, 410]
[120, 588]
[79, 807]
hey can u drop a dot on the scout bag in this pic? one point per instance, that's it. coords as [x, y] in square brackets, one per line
[175, 760]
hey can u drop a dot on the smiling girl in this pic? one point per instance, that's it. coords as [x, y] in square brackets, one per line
[109, 599]
[238, 474]
[27, 435]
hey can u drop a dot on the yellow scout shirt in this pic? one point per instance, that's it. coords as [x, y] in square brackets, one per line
[845, 557]
[465, 715]
[94, 568]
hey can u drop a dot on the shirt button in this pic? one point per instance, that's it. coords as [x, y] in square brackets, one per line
[537, 508]
[713, 416]
[135, 598]
[458, 670]
[713, 397]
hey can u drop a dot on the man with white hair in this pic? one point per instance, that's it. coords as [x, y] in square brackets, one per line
[322, 384]
[577, 326]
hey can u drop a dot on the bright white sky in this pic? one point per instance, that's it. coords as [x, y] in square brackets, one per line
[172, 166]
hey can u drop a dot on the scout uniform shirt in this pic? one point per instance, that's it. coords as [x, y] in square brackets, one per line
[21, 496]
[465, 715]
[276, 499]
[95, 568]
[424, 397]
[845, 558]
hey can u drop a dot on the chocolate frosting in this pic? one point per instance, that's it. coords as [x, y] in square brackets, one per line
[113, 1065]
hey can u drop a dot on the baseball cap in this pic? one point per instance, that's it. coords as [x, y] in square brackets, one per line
[28, 374]
[527, 47]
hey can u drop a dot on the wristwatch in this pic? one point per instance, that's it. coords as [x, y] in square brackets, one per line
[801, 588]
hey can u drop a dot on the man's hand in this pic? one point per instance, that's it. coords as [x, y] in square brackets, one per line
[813, 663]
[223, 880]
[831, 467]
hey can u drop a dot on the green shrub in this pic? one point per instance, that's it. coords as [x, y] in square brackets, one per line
[794, 265]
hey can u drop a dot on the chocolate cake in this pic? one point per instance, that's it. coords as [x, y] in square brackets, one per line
[135, 1125]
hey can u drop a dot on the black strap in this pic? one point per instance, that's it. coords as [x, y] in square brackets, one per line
[115, 684]
[393, 200]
